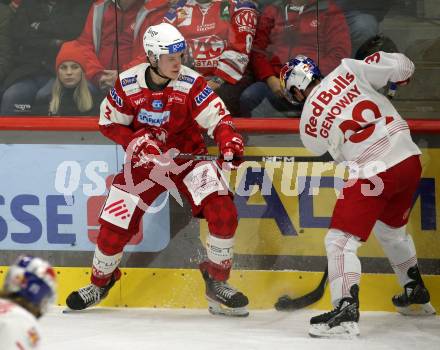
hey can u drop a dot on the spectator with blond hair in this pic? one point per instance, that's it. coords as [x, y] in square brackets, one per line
[70, 91]
[38, 30]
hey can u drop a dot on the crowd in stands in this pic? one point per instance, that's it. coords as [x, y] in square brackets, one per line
[60, 57]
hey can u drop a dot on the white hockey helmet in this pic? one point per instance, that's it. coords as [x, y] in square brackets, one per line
[163, 39]
[299, 72]
[32, 279]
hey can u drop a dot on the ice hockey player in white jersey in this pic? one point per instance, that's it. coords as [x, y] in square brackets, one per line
[28, 290]
[346, 116]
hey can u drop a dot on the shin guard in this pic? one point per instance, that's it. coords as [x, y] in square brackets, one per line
[344, 266]
[104, 266]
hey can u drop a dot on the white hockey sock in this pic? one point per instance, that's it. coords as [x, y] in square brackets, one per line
[104, 265]
[344, 266]
[220, 250]
[399, 248]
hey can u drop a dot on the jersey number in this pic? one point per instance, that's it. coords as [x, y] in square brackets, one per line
[221, 110]
[374, 58]
[361, 133]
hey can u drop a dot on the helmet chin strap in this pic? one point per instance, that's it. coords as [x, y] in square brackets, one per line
[156, 70]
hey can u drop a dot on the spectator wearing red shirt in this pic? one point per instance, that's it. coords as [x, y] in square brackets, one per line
[285, 31]
[98, 38]
[219, 35]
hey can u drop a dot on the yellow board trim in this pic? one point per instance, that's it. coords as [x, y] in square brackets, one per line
[184, 288]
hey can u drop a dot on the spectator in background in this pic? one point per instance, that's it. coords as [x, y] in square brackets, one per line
[363, 18]
[14, 4]
[28, 291]
[105, 58]
[38, 30]
[71, 94]
[219, 35]
[7, 9]
[5, 41]
[284, 31]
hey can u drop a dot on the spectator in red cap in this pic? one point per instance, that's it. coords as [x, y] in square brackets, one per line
[71, 94]
[38, 29]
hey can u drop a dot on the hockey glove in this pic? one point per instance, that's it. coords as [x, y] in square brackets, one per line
[230, 143]
[143, 148]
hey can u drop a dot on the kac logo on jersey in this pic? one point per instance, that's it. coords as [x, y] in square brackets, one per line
[153, 118]
[115, 97]
[186, 78]
[128, 81]
[157, 105]
[207, 91]
[247, 19]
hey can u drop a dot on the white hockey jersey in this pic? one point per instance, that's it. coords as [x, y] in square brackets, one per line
[18, 327]
[346, 116]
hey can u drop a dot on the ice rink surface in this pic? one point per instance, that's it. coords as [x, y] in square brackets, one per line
[170, 329]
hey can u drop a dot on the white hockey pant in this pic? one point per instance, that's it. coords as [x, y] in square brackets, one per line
[398, 247]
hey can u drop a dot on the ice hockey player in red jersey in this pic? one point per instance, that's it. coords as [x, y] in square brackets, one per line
[156, 110]
[345, 115]
[28, 290]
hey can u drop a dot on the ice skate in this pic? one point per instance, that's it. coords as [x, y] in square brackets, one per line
[90, 295]
[415, 299]
[342, 322]
[222, 298]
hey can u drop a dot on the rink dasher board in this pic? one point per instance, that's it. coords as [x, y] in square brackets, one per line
[184, 288]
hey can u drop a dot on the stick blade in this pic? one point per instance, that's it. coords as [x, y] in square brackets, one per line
[286, 303]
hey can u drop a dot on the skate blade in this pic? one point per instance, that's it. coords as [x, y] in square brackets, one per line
[346, 330]
[68, 310]
[417, 310]
[215, 308]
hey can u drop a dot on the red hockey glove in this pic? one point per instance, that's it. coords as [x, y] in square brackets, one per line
[230, 142]
[143, 148]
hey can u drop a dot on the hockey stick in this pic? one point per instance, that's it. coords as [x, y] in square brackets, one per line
[291, 159]
[286, 303]
[208, 157]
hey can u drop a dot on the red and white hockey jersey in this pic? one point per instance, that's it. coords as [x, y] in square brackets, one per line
[219, 35]
[18, 327]
[346, 115]
[177, 115]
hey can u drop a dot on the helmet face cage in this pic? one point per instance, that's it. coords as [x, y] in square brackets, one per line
[162, 39]
[33, 279]
[299, 72]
